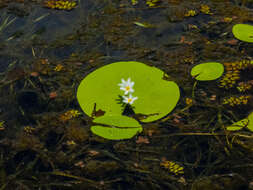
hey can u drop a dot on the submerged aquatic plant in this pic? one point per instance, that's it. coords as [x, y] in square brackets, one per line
[5, 22]
[205, 9]
[69, 115]
[134, 2]
[190, 13]
[152, 3]
[2, 125]
[172, 167]
[235, 101]
[244, 86]
[60, 4]
[232, 74]
[229, 79]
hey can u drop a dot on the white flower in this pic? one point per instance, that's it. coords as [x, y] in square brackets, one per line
[126, 86]
[129, 99]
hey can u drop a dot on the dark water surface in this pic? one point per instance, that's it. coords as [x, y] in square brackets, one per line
[44, 55]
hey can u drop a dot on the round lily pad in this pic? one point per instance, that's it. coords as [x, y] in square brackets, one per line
[243, 32]
[100, 90]
[116, 127]
[207, 71]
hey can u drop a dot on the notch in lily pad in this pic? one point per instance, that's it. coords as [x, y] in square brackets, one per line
[207, 71]
[116, 127]
[243, 32]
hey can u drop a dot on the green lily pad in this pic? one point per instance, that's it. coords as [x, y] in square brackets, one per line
[246, 122]
[116, 127]
[238, 125]
[250, 125]
[156, 96]
[207, 71]
[243, 32]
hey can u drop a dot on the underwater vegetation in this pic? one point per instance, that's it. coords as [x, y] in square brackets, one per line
[232, 73]
[75, 113]
[172, 167]
[69, 115]
[235, 101]
[60, 4]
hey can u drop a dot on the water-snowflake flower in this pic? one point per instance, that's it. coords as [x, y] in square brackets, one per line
[126, 86]
[129, 99]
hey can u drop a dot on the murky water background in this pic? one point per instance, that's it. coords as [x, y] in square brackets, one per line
[45, 53]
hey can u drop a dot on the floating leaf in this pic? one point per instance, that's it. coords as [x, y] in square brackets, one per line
[207, 71]
[238, 125]
[156, 96]
[243, 32]
[250, 125]
[116, 127]
[246, 122]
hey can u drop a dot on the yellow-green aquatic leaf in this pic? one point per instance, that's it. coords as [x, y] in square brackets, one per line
[243, 32]
[246, 122]
[250, 125]
[116, 127]
[156, 96]
[238, 125]
[117, 120]
[207, 71]
[144, 25]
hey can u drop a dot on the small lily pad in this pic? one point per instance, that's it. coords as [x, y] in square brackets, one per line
[116, 127]
[207, 71]
[243, 32]
[238, 125]
[246, 122]
[250, 125]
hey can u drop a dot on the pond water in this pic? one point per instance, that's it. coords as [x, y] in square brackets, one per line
[46, 51]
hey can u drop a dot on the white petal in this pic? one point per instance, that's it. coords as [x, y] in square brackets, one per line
[123, 88]
[125, 99]
[131, 90]
[135, 98]
[123, 81]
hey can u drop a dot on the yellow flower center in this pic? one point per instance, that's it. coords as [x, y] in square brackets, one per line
[127, 88]
[129, 100]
